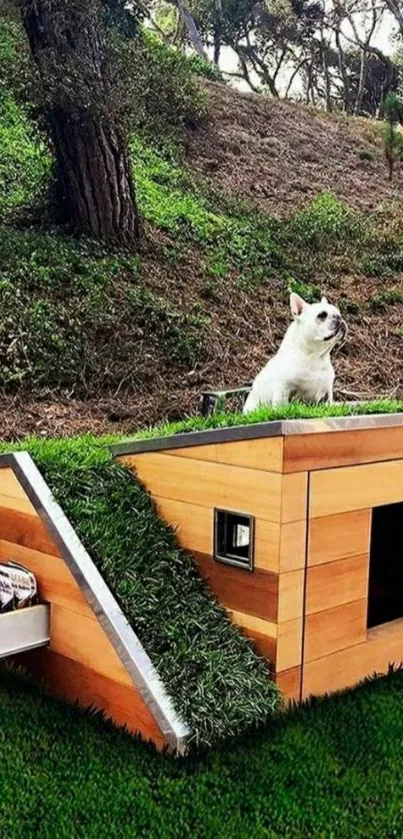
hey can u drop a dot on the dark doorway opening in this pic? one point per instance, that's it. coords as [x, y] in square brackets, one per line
[385, 594]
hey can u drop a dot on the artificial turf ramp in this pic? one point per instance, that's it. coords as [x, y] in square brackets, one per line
[215, 679]
[328, 771]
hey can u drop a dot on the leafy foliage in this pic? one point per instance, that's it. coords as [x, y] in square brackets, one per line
[237, 240]
[16, 70]
[24, 163]
[387, 297]
[204, 68]
[325, 222]
[310, 293]
[161, 94]
[392, 135]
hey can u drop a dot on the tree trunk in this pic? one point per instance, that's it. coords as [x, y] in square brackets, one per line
[191, 29]
[326, 74]
[93, 177]
[343, 72]
[95, 181]
[217, 31]
[360, 92]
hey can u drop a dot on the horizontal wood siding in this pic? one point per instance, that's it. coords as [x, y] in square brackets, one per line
[265, 453]
[338, 649]
[10, 487]
[209, 484]
[293, 546]
[75, 682]
[81, 638]
[262, 633]
[345, 668]
[307, 452]
[55, 581]
[335, 629]
[336, 583]
[291, 595]
[253, 593]
[355, 488]
[339, 536]
[289, 644]
[289, 682]
[194, 527]
[294, 497]
[26, 530]
[242, 477]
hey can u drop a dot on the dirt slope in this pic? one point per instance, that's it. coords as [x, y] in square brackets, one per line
[280, 154]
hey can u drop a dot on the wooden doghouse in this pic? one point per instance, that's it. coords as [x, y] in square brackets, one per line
[295, 525]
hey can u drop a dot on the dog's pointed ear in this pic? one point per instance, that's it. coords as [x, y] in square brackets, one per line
[297, 305]
[324, 301]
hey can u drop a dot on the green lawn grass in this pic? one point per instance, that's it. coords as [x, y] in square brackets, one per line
[329, 771]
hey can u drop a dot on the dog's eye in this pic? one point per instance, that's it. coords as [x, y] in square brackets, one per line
[322, 315]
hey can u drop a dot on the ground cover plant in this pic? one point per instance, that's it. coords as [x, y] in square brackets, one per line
[331, 769]
[216, 681]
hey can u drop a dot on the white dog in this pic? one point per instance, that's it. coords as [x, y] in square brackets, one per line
[301, 369]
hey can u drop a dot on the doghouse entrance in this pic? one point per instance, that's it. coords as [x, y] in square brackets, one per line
[385, 595]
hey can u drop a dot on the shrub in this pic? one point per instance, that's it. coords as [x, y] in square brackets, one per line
[182, 334]
[240, 243]
[159, 83]
[324, 222]
[16, 68]
[392, 136]
[310, 293]
[25, 162]
[203, 68]
[366, 154]
[383, 265]
[387, 298]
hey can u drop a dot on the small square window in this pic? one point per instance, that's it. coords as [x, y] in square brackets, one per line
[234, 538]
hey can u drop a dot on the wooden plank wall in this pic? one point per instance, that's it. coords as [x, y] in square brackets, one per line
[338, 648]
[330, 449]
[81, 663]
[305, 606]
[245, 477]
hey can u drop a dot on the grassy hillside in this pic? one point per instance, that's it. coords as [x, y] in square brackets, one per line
[241, 204]
[330, 770]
